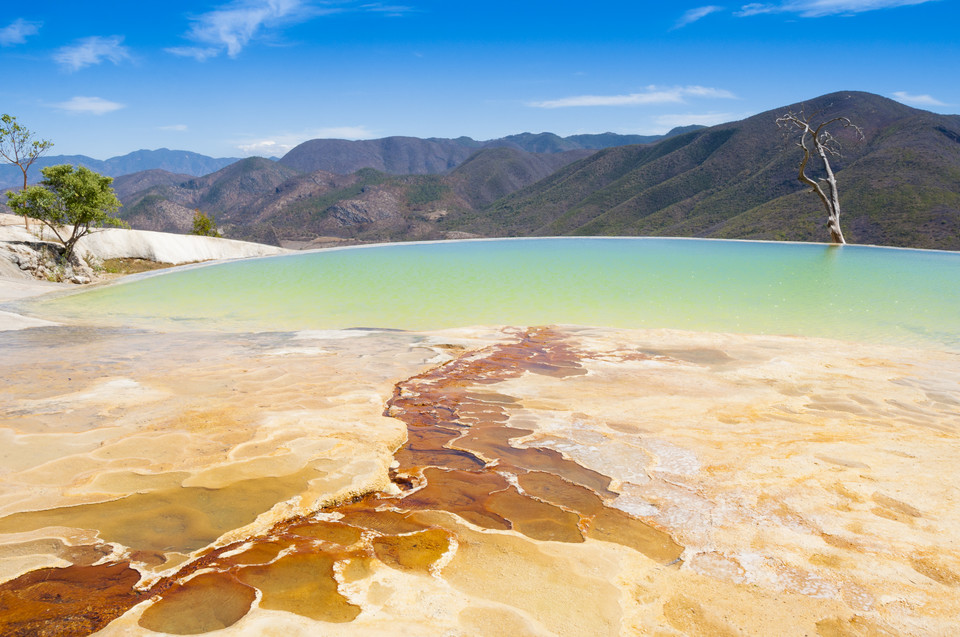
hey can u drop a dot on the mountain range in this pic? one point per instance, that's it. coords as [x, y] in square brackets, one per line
[380, 189]
[899, 186]
[414, 156]
[176, 161]
[262, 200]
[397, 155]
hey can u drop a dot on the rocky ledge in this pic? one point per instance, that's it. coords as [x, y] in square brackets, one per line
[34, 253]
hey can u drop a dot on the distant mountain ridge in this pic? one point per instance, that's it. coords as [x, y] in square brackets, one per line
[174, 161]
[394, 155]
[360, 181]
[415, 156]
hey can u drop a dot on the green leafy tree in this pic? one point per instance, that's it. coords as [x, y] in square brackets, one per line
[18, 147]
[71, 202]
[204, 225]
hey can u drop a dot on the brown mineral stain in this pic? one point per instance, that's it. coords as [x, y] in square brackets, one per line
[59, 602]
[303, 584]
[835, 405]
[553, 488]
[362, 514]
[413, 552]
[207, 602]
[829, 561]
[936, 569]
[259, 553]
[613, 525]
[839, 542]
[329, 531]
[440, 406]
[896, 516]
[625, 428]
[145, 558]
[535, 519]
[855, 626]
[842, 462]
[494, 443]
[425, 448]
[461, 492]
[846, 493]
[491, 397]
[896, 505]
[472, 411]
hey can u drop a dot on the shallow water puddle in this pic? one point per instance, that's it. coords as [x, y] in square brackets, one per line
[413, 552]
[458, 460]
[301, 583]
[181, 519]
[207, 602]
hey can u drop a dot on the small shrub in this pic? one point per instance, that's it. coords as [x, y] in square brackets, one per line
[204, 225]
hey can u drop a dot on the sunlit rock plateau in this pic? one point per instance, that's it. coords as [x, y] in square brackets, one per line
[487, 481]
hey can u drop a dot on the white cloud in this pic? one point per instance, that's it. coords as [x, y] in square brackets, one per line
[820, 8]
[265, 148]
[391, 10]
[174, 127]
[18, 31]
[200, 54]
[755, 8]
[89, 105]
[232, 26]
[652, 95]
[693, 15]
[919, 100]
[92, 50]
[277, 145]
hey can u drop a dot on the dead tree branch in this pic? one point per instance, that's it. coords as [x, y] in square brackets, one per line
[819, 141]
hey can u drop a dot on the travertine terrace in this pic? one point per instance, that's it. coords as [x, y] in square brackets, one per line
[485, 481]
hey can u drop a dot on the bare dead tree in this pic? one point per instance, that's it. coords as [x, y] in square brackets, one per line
[817, 139]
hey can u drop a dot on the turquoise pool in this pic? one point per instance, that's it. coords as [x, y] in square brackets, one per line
[909, 297]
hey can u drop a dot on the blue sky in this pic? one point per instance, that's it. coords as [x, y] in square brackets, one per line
[252, 77]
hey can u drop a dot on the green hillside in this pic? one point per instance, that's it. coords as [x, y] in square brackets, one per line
[899, 186]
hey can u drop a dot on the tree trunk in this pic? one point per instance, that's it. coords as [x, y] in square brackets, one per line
[26, 219]
[833, 206]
